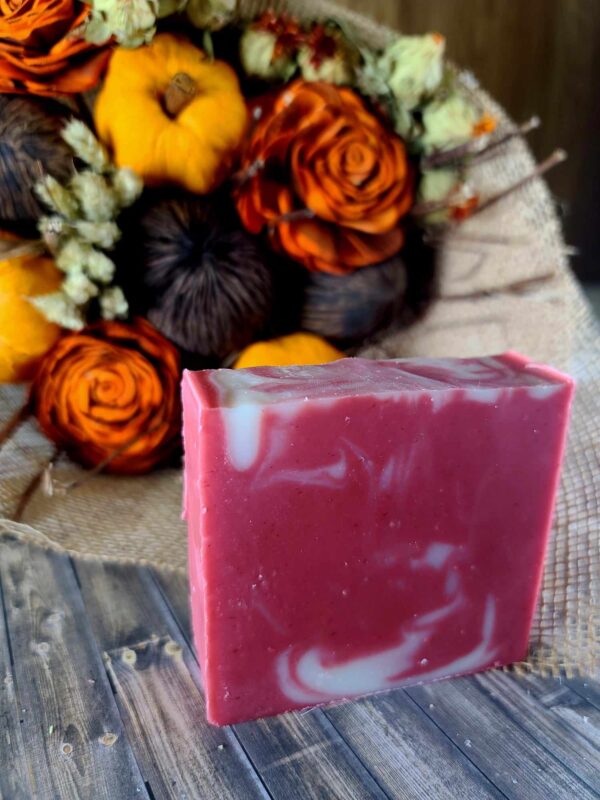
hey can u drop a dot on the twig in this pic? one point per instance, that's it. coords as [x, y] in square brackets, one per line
[52, 486]
[557, 157]
[478, 147]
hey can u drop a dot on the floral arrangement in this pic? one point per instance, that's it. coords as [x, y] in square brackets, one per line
[182, 186]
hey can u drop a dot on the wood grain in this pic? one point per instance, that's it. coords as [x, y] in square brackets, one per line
[539, 57]
[14, 780]
[403, 749]
[322, 759]
[552, 714]
[407, 752]
[73, 739]
[157, 688]
[472, 713]
[164, 714]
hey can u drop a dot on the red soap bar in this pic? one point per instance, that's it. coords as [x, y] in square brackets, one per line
[365, 524]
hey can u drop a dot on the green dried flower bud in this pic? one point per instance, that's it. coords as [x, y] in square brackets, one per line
[448, 122]
[79, 288]
[96, 197]
[53, 231]
[437, 185]
[59, 308]
[113, 304]
[371, 79]
[73, 256]
[413, 67]
[100, 267]
[85, 145]
[57, 197]
[165, 8]
[257, 53]
[127, 185]
[131, 22]
[211, 15]
[338, 69]
[101, 234]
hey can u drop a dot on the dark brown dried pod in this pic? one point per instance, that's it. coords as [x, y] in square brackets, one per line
[30, 145]
[351, 308]
[209, 287]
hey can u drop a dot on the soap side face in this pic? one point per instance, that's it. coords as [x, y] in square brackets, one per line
[351, 544]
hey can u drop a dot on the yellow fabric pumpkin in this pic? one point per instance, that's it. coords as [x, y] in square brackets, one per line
[295, 349]
[170, 114]
[25, 335]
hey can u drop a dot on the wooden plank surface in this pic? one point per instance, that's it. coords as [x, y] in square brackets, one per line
[74, 746]
[156, 680]
[14, 780]
[321, 757]
[470, 710]
[490, 736]
[405, 752]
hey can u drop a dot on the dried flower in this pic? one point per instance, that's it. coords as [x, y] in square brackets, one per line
[73, 256]
[83, 227]
[102, 234]
[58, 308]
[448, 195]
[57, 197]
[85, 145]
[258, 53]
[131, 22]
[41, 51]
[413, 67]
[113, 304]
[127, 185]
[327, 56]
[334, 207]
[451, 121]
[100, 267]
[79, 288]
[210, 15]
[96, 197]
[111, 392]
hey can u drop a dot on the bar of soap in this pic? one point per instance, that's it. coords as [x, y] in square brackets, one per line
[365, 524]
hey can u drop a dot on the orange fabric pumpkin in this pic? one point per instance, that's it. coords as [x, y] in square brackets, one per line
[194, 144]
[40, 51]
[25, 335]
[112, 386]
[329, 181]
[291, 350]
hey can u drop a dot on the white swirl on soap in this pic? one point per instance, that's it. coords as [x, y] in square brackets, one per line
[309, 680]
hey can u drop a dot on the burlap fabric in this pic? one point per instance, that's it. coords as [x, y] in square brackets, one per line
[504, 283]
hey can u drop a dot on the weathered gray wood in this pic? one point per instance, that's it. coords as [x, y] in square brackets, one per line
[401, 747]
[406, 751]
[164, 712]
[585, 687]
[74, 745]
[551, 713]
[518, 764]
[299, 756]
[157, 688]
[14, 780]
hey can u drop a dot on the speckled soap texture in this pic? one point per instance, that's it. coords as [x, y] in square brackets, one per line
[365, 524]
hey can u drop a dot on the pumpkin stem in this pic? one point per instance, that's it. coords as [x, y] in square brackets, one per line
[181, 90]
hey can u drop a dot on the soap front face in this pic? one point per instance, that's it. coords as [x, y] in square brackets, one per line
[363, 525]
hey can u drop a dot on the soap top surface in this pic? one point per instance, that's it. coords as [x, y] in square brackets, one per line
[228, 388]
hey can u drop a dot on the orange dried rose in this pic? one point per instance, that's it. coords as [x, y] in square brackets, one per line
[42, 53]
[327, 178]
[113, 386]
